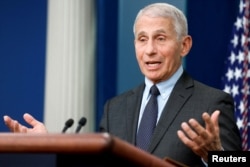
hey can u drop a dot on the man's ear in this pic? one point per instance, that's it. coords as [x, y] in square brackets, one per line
[186, 45]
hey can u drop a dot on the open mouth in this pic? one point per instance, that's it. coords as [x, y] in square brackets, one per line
[153, 65]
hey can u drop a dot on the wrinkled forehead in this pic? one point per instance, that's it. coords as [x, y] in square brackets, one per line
[158, 24]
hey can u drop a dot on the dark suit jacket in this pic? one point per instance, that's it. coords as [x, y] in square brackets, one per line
[189, 99]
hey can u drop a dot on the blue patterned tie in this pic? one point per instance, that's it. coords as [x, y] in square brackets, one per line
[148, 121]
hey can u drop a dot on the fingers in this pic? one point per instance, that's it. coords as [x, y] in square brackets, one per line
[13, 125]
[198, 129]
[9, 123]
[211, 122]
[197, 133]
[215, 119]
[201, 139]
[37, 126]
[187, 141]
[6, 119]
[194, 132]
[194, 129]
[215, 115]
[30, 120]
[193, 135]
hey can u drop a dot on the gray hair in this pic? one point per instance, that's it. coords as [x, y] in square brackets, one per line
[167, 11]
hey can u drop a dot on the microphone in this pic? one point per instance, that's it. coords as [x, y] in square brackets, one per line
[81, 123]
[68, 124]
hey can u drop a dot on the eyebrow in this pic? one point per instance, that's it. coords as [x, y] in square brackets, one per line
[141, 33]
[160, 31]
[156, 32]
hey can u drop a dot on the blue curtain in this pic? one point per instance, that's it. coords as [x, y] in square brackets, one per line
[106, 53]
[210, 24]
[22, 58]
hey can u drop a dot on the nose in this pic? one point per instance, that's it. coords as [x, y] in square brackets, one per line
[150, 48]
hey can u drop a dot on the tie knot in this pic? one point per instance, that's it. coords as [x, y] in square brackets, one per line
[154, 90]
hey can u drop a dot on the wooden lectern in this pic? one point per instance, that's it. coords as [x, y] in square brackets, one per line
[85, 150]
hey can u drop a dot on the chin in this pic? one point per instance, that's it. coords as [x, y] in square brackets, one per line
[154, 80]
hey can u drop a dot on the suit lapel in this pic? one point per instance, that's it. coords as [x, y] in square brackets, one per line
[132, 112]
[180, 94]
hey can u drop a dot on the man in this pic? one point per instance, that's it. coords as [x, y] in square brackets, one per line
[192, 119]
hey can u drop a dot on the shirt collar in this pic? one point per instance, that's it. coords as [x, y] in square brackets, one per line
[165, 87]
